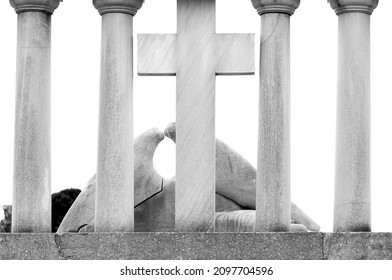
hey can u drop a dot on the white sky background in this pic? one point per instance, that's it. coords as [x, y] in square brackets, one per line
[76, 29]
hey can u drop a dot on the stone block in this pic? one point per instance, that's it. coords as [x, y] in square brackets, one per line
[191, 246]
[28, 246]
[358, 246]
[197, 246]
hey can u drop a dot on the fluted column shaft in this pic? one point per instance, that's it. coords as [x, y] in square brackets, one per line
[352, 210]
[114, 210]
[273, 203]
[31, 211]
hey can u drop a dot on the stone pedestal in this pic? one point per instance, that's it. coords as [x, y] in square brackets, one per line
[273, 204]
[32, 193]
[352, 177]
[114, 210]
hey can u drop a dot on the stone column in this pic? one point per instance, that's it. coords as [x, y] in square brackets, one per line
[352, 176]
[31, 211]
[115, 178]
[273, 203]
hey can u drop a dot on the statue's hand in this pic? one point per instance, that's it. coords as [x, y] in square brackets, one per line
[243, 221]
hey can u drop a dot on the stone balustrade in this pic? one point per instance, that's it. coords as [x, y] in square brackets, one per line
[195, 55]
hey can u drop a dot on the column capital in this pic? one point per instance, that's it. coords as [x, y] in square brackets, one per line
[353, 6]
[276, 6]
[118, 6]
[46, 6]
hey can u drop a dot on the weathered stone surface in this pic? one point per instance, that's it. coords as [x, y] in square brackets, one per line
[32, 156]
[31, 210]
[114, 209]
[148, 246]
[273, 158]
[358, 246]
[191, 246]
[352, 172]
[28, 246]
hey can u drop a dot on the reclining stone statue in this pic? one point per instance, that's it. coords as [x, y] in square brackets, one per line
[155, 195]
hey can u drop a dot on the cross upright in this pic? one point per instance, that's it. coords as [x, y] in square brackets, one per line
[196, 54]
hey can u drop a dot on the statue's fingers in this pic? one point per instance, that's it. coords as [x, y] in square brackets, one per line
[300, 217]
[235, 221]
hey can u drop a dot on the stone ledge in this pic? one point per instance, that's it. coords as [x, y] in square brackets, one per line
[185, 246]
[28, 246]
[222, 246]
[358, 246]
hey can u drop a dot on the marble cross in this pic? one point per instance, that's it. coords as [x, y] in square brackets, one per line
[196, 54]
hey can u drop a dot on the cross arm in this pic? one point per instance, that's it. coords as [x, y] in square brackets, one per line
[156, 54]
[236, 54]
